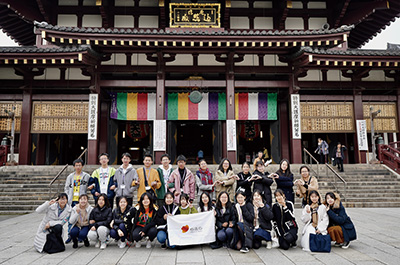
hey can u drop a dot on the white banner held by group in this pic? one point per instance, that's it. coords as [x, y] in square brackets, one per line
[92, 119]
[296, 122]
[191, 229]
[362, 135]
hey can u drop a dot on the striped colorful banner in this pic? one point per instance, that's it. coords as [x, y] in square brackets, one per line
[256, 106]
[179, 107]
[133, 106]
[142, 106]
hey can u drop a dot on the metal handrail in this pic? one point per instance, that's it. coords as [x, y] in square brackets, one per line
[306, 152]
[337, 176]
[59, 174]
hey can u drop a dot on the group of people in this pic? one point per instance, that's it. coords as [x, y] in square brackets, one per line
[337, 153]
[242, 204]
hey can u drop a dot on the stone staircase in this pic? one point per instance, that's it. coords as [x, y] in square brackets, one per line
[23, 188]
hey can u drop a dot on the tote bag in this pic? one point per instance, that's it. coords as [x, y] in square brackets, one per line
[320, 243]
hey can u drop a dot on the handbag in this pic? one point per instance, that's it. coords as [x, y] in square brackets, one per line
[320, 243]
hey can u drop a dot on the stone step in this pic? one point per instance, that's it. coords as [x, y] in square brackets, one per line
[14, 212]
[372, 204]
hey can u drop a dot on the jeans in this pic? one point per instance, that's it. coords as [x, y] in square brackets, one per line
[225, 234]
[79, 233]
[114, 233]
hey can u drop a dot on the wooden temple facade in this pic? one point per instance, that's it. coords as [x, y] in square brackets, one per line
[226, 77]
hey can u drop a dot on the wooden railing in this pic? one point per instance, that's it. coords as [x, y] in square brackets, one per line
[389, 154]
[56, 183]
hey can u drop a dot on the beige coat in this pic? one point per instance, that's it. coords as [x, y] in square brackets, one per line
[229, 184]
[302, 191]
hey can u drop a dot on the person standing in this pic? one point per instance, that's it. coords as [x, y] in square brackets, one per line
[125, 179]
[338, 155]
[164, 171]
[322, 150]
[102, 180]
[284, 180]
[263, 182]
[149, 180]
[76, 183]
[245, 180]
[259, 157]
[225, 179]
[204, 179]
[182, 181]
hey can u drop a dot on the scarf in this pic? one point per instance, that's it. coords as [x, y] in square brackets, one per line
[314, 214]
[239, 211]
[255, 216]
[206, 177]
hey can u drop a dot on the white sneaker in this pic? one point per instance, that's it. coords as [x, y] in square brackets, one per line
[269, 244]
[103, 245]
[138, 245]
[97, 244]
[268, 162]
[121, 244]
[148, 244]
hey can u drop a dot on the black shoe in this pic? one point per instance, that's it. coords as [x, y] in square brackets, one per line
[75, 244]
[164, 246]
[86, 242]
[69, 239]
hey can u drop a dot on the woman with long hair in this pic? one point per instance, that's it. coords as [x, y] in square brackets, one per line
[340, 228]
[144, 223]
[99, 220]
[245, 216]
[225, 219]
[315, 219]
[225, 179]
[168, 209]
[284, 179]
[205, 203]
[245, 180]
[122, 222]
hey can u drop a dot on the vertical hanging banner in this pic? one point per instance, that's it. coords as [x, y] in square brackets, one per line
[296, 123]
[362, 135]
[231, 135]
[92, 119]
[160, 135]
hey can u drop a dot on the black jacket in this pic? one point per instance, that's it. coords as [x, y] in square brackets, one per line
[246, 185]
[284, 217]
[102, 216]
[123, 218]
[264, 185]
[165, 209]
[265, 216]
[248, 214]
[227, 216]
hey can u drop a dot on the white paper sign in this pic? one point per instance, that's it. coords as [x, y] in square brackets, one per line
[160, 135]
[191, 229]
[296, 122]
[231, 135]
[92, 119]
[362, 135]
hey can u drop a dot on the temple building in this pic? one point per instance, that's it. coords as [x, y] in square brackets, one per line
[229, 78]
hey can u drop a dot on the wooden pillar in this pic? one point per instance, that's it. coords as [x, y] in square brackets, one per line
[230, 103]
[360, 156]
[160, 99]
[25, 133]
[398, 108]
[93, 144]
[295, 144]
[103, 127]
[284, 128]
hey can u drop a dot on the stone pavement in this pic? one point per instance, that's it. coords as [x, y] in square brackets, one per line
[378, 243]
